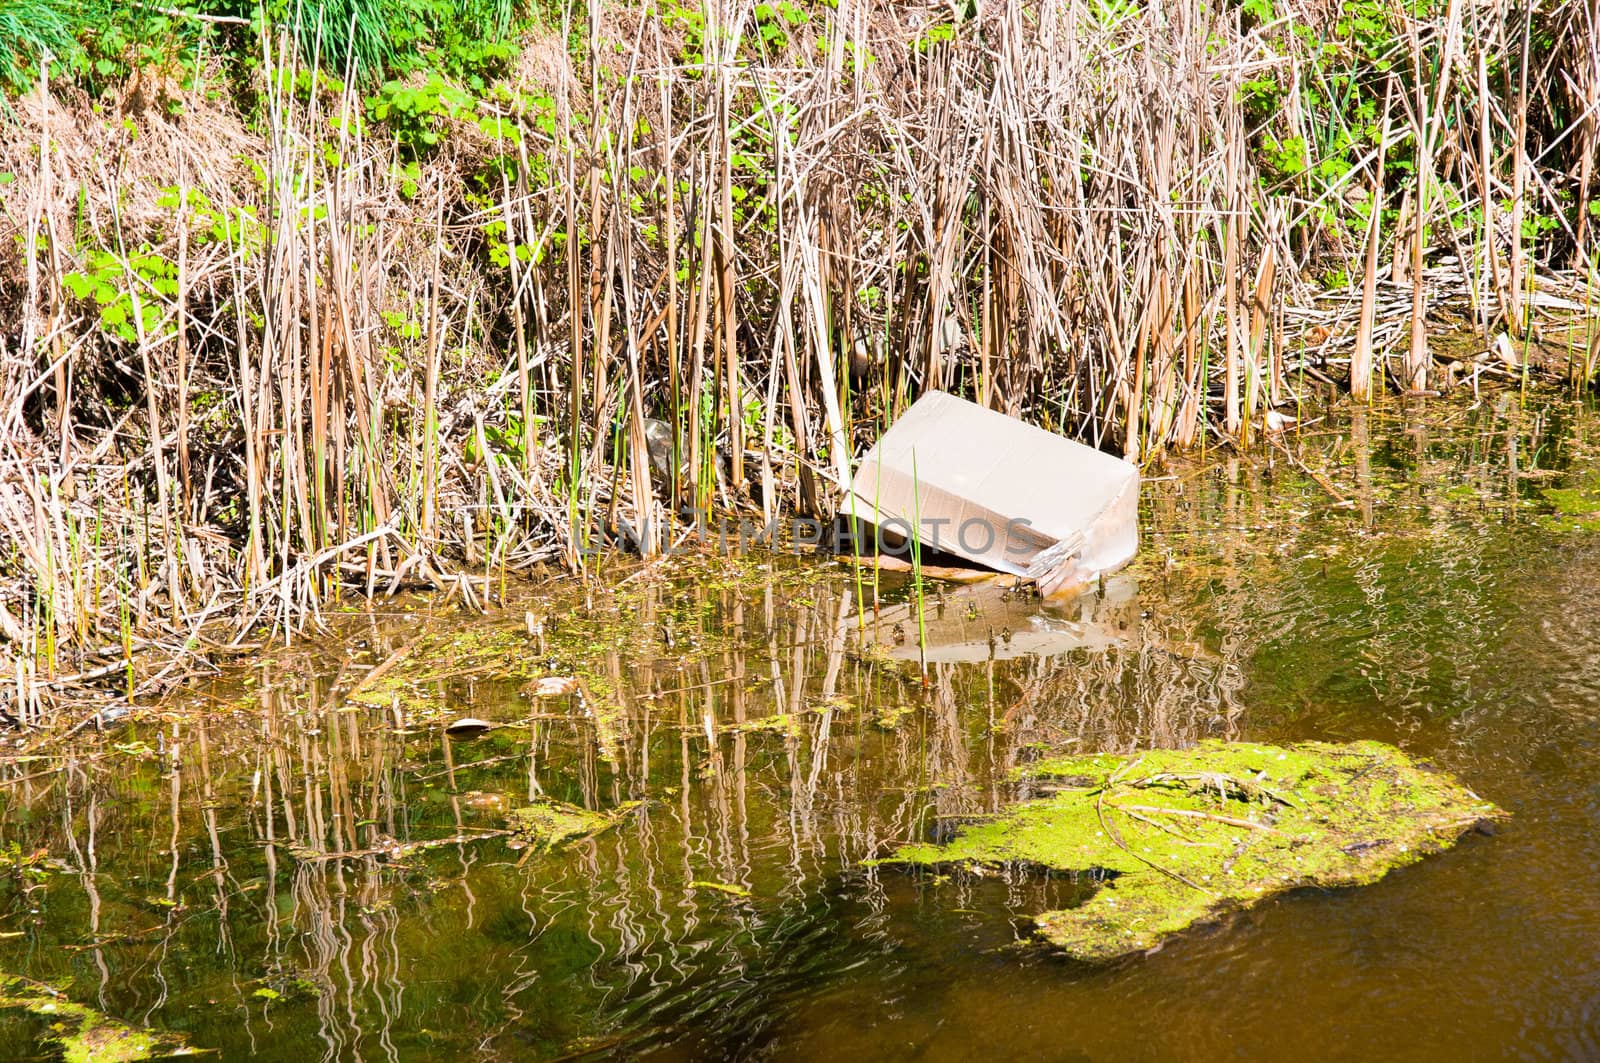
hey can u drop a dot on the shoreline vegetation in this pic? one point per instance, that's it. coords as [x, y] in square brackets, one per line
[353, 296]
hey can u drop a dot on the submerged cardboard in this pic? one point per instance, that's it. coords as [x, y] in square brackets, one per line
[988, 622]
[1001, 493]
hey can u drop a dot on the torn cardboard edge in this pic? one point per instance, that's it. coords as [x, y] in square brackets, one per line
[955, 477]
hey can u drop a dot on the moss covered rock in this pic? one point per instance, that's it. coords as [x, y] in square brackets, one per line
[1181, 836]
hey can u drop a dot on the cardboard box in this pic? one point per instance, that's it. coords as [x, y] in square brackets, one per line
[965, 480]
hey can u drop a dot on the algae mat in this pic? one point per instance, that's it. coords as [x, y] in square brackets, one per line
[1182, 836]
[82, 1034]
[551, 824]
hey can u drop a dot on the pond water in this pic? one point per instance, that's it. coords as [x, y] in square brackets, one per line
[248, 865]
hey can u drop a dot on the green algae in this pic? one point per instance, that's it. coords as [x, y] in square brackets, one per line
[1575, 509]
[780, 723]
[720, 887]
[890, 717]
[586, 633]
[551, 824]
[83, 1034]
[1561, 525]
[1184, 836]
[1574, 501]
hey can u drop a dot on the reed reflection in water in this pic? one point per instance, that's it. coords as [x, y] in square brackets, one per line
[315, 867]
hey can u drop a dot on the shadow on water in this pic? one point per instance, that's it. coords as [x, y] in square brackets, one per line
[298, 862]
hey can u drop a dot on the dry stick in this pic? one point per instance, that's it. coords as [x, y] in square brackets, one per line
[315, 342]
[838, 445]
[1116, 836]
[1588, 140]
[1519, 182]
[1219, 781]
[430, 385]
[61, 354]
[1188, 813]
[1136, 399]
[575, 303]
[183, 348]
[1416, 371]
[358, 354]
[1260, 309]
[1321, 480]
[728, 40]
[1230, 280]
[788, 279]
[1193, 401]
[320, 350]
[670, 232]
[400, 849]
[1361, 356]
[1485, 178]
[254, 559]
[524, 385]
[644, 502]
[158, 460]
[606, 252]
[700, 300]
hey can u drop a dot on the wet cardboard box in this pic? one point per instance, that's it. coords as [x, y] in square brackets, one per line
[955, 477]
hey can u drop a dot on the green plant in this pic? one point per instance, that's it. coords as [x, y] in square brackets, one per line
[774, 22]
[114, 41]
[420, 114]
[30, 31]
[345, 34]
[127, 294]
[373, 37]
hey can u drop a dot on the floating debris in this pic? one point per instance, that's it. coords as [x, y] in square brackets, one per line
[781, 723]
[467, 727]
[551, 824]
[1183, 836]
[555, 686]
[996, 491]
[720, 887]
[485, 801]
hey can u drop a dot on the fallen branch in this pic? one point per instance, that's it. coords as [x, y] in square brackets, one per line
[1189, 813]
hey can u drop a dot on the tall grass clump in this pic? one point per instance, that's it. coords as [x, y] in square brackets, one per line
[32, 33]
[355, 296]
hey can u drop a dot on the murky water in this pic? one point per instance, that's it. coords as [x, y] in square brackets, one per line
[243, 869]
